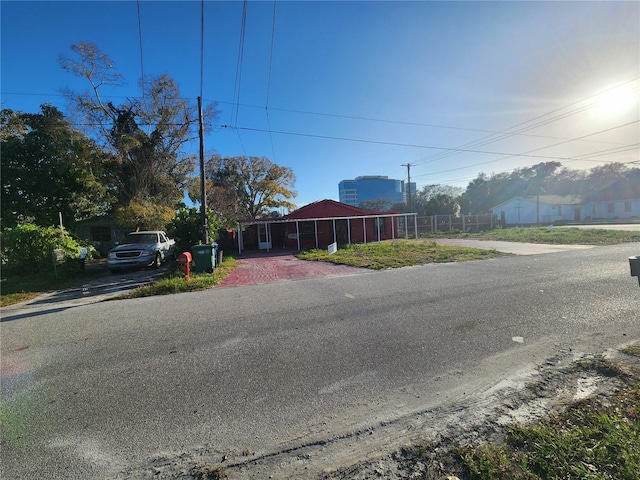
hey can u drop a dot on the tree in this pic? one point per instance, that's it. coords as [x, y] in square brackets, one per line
[613, 181]
[48, 167]
[378, 205]
[146, 135]
[437, 200]
[247, 187]
[143, 214]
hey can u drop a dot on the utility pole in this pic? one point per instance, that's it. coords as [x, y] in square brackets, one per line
[409, 202]
[203, 193]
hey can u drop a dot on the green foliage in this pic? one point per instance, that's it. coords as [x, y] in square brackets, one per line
[144, 214]
[613, 181]
[379, 205]
[246, 187]
[49, 167]
[28, 248]
[186, 228]
[437, 200]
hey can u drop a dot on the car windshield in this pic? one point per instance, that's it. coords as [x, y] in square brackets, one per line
[141, 238]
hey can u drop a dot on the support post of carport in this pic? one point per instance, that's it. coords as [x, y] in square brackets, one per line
[334, 231]
[315, 229]
[378, 224]
[364, 229]
[349, 229]
[298, 234]
[268, 234]
[239, 239]
[415, 223]
[393, 227]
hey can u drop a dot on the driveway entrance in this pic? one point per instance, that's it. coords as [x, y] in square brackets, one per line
[255, 268]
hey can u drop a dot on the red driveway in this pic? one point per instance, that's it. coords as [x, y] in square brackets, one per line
[260, 267]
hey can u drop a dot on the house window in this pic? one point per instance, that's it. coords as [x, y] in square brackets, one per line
[627, 206]
[610, 208]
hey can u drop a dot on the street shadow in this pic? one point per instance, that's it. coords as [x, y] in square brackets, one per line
[107, 286]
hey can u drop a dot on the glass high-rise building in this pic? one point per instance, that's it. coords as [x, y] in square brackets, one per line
[373, 188]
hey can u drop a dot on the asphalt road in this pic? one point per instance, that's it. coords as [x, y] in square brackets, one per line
[142, 388]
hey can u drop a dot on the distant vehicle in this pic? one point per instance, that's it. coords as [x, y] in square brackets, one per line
[141, 249]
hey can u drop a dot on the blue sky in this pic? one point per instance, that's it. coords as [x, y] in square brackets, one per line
[361, 88]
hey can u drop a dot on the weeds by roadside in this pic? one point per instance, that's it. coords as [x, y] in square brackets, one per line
[597, 438]
[175, 281]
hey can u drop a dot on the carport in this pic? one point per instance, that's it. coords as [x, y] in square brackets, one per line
[304, 228]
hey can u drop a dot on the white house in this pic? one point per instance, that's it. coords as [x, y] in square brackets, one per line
[611, 209]
[546, 209]
[540, 209]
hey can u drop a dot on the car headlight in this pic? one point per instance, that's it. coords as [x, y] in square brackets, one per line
[112, 255]
[148, 252]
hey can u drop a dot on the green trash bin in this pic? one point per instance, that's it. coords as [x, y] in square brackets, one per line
[204, 257]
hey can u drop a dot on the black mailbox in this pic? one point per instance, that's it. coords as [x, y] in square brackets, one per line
[634, 264]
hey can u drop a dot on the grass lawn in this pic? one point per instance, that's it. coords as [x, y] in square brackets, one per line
[556, 236]
[398, 254]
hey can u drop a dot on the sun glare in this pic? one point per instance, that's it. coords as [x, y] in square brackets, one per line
[617, 101]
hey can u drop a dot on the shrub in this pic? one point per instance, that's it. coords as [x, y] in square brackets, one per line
[29, 248]
[185, 228]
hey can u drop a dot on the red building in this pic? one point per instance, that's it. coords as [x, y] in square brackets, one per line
[321, 224]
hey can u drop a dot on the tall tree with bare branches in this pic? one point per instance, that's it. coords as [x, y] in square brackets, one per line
[147, 134]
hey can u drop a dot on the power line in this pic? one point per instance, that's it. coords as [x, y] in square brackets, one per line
[140, 38]
[397, 144]
[399, 122]
[273, 32]
[201, 46]
[570, 159]
[507, 132]
[266, 107]
[238, 82]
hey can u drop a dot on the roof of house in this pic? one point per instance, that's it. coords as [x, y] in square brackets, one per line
[327, 207]
[321, 209]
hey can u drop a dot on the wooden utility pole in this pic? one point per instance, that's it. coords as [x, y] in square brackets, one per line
[409, 202]
[203, 193]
